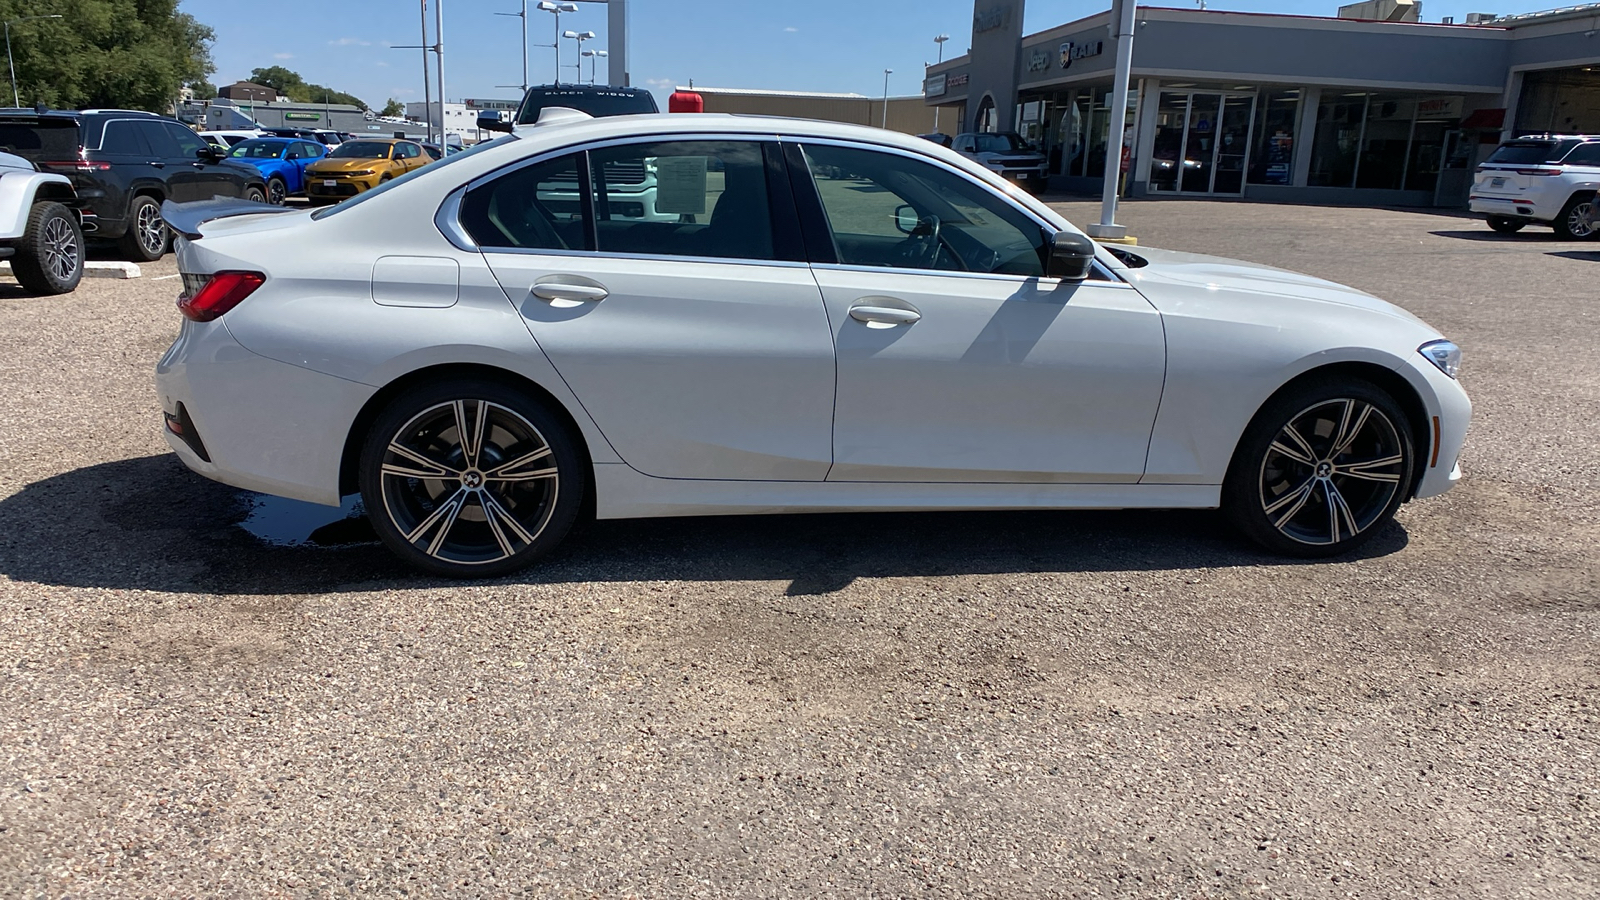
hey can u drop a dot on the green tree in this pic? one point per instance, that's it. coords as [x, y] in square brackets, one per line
[203, 90]
[393, 108]
[289, 83]
[133, 54]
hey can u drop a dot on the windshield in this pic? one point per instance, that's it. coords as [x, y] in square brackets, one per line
[361, 150]
[1524, 152]
[596, 103]
[258, 149]
[427, 171]
[1005, 142]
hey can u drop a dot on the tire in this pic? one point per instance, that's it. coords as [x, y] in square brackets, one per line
[1573, 223]
[385, 177]
[277, 191]
[49, 257]
[1503, 225]
[147, 237]
[255, 193]
[446, 513]
[1293, 491]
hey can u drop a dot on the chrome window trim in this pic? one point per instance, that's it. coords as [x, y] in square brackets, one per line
[647, 257]
[982, 276]
[448, 217]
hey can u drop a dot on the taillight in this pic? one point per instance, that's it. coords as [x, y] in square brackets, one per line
[77, 165]
[206, 297]
[1538, 171]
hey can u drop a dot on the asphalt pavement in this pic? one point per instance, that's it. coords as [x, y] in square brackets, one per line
[1105, 704]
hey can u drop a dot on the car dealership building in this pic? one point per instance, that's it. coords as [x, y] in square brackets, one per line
[1278, 107]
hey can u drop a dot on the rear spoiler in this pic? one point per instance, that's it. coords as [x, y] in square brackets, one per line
[186, 218]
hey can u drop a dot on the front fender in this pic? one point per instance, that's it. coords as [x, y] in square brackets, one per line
[17, 192]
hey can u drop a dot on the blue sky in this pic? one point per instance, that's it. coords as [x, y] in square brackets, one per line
[814, 45]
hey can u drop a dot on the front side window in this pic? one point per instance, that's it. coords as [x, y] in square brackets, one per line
[189, 143]
[536, 207]
[889, 210]
[682, 198]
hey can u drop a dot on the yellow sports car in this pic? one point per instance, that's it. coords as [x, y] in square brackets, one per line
[361, 165]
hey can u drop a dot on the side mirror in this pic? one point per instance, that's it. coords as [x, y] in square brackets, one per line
[211, 152]
[1071, 256]
[906, 218]
[495, 120]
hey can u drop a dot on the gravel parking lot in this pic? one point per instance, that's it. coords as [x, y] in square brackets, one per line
[1000, 705]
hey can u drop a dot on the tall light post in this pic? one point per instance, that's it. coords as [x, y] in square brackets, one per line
[16, 98]
[1124, 13]
[427, 90]
[886, 74]
[938, 39]
[594, 61]
[438, 49]
[523, 15]
[580, 37]
[557, 9]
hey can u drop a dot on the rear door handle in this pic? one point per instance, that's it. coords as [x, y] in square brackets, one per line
[569, 291]
[158, 164]
[884, 316]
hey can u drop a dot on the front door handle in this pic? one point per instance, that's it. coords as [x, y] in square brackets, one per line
[884, 316]
[569, 293]
[158, 164]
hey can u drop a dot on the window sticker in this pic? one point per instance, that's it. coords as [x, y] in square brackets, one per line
[681, 185]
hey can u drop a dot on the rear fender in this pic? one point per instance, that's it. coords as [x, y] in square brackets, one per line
[18, 190]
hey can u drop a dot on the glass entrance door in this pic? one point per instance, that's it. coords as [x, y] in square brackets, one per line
[1201, 143]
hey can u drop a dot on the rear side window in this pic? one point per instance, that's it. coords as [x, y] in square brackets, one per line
[682, 198]
[123, 139]
[537, 207]
[1585, 155]
[160, 142]
[1527, 152]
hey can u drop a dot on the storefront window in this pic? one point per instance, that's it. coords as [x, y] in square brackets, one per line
[1336, 147]
[1090, 118]
[1272, 160]
[1427, 153]
[1565, 101]
[1384, 142]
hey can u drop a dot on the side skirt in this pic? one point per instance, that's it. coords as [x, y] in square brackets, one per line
[622, 493]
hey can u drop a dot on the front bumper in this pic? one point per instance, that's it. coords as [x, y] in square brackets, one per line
[1449, 413]
[266, 426]
[341, 187]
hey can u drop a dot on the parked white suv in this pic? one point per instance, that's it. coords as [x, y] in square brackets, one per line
[1541, 180]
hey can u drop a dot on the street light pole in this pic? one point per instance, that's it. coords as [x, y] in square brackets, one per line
[1107, 227]
[886, 74]
[16, 98]
[594, 61]
[550, 6]
[524, 17]
[939, 40]
[427, 92]
[580, 37]
[438, 36]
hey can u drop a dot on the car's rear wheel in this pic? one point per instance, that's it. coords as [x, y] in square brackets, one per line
[147, 236]
[470, 479]
[1504, 225]
[1574, 223]
[49, 257]
[1321, 468]
[277, 191]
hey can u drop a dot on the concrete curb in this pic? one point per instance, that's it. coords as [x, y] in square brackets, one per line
[97, 269]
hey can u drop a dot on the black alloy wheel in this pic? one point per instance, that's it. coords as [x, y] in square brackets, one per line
[277, 191]
[147, 235]
[49, 257]
[1321, 469]
[255, 194]
[470, 479]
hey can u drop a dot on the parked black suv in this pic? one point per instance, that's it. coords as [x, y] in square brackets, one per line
[595, 99]
[123, 163]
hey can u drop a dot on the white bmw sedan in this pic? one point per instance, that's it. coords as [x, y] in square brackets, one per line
[689, 315]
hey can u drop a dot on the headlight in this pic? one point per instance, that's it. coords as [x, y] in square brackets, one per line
[361, 174]
[1444, 354]
[995, 166]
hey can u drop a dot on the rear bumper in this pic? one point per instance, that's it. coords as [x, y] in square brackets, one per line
[1529, 209]
[266, 426]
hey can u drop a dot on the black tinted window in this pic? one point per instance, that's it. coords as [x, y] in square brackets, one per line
[188, 142]
[123, 139]
[1585, 155]
[1524, 152]
[40, 142]
[537, 207]
[596, 103]
[682, 198]
[158, 139]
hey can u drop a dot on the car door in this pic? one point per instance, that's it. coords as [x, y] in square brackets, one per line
[181, 180]
[409, 156]
[698, 344]
[302, 154]
[958, 361]
[215, 177]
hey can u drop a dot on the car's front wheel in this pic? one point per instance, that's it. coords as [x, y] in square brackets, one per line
[49, 257]
[470, 478]
[255, 194]
[1321, 468]
[1503, 225]
[1574, 223]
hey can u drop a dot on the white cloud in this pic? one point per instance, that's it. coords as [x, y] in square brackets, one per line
[283, 56]
[381, 64]
[661, 84]
[350, 42]
[791, 29]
